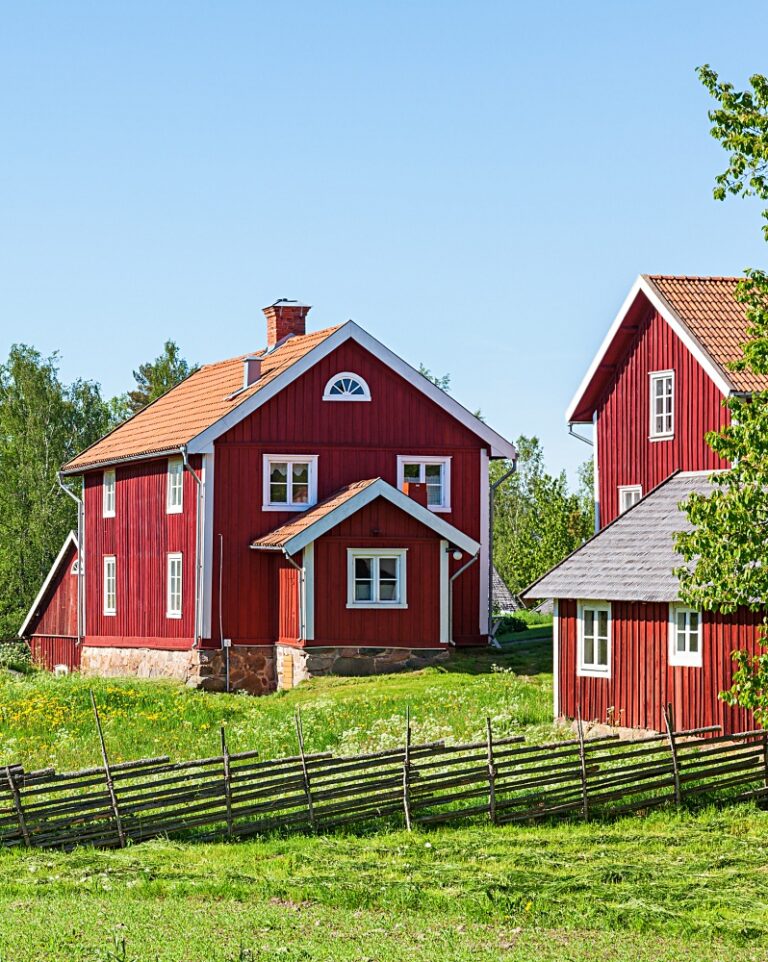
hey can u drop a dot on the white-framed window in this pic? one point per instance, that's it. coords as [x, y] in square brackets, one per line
[434, 472]
[75, 569]
[347, 386]
[173, 585]
[174, 498]
[662, 404]
[110, 585]
[108, 494]
[594, 639]
[684, 636]
[629, 494]
[376, 578]
[290, 482]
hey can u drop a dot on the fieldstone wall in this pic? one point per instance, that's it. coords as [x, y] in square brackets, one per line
[251, 668]
[295, 665]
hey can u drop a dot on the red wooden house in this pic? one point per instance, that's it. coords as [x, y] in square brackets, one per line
[624, 644]
[318, 506]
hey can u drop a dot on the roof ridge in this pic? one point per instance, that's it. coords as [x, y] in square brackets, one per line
[694, 277]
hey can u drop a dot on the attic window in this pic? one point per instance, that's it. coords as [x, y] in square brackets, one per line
[346, 386]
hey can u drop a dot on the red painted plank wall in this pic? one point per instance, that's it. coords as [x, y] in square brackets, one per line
[643, 681]
[354, 440]
[50, 651]
[378, 525]
[139, 536]
[625, 453]
[58, 609]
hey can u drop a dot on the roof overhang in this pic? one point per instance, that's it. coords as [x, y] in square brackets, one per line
[378, 489]
[582, 407]
[71, 539]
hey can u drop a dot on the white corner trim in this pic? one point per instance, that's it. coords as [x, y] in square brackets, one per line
[445, 593]
[643, 285]
[310, 459]
[381, 489]
[327, 396]
[402, 578]
[308, 566]
[500, 447]
[71, 539]
[403, 459]
[207, 544]
[485, 544]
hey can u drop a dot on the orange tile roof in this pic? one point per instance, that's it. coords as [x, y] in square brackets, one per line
[283, 534]
[707, 306]
[192, 406]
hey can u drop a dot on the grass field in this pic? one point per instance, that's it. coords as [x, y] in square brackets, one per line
[687, 885]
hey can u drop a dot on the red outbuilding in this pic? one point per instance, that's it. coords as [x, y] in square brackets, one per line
[624, 643]
[317, 506]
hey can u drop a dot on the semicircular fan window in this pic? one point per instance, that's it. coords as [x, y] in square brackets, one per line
[346, 386]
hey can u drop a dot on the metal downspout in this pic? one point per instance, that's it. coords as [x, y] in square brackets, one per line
[80, 559]
[491, 517]
[454, 576]
[198, 566]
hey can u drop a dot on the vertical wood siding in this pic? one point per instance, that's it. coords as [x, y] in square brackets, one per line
[626, 455]
[49, 652]
[642, 680]
[53, 632]
[353, 441]
[139, 536]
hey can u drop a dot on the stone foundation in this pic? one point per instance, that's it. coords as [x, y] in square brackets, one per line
[251, 668]
[295, 665]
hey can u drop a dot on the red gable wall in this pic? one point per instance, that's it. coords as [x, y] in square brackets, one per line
[625, 454]
[53, 633]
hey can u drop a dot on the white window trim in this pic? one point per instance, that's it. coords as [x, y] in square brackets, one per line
[75, 568]
[684, 659]
[172, 557]
[629, 489]
[400, 553]
[327, 396]
[403, 459]
[267, 459]
[653, 435]
[108, 479]
[106, 563]
[174, 508]
[591, 671]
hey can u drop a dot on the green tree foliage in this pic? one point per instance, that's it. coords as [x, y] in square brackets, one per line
[537, 519]
[443, 381]
[153, 379]
[43, 423]
[725, 554]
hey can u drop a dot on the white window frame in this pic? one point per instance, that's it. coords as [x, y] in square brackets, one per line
[327, 396]
[174, 485]
[402, 576]
[110, 561]
[173, 558]
[403, 459]
[685, 658]
[655, 435]
[268, 460]
[108, 493]
[593, 670]
[629, 490]
[75, 569]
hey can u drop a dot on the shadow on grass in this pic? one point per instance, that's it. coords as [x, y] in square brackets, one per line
[524, 652]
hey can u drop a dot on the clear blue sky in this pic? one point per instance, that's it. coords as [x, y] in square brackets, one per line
[476, 183]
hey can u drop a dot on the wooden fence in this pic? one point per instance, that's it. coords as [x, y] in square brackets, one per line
[500, 779]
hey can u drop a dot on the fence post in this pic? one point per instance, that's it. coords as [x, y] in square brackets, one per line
[17, 805]
[108, 775]
[669, 721]
[227, 780]
[407, 770]
[491, 774]
[307, 789]
[765, 759]
[583, 767]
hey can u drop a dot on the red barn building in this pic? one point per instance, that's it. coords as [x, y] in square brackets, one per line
[318, 506]
[624, 644]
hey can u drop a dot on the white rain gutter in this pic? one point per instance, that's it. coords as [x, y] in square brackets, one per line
[80, 558]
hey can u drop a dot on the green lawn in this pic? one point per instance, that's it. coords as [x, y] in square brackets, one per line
[672, 886]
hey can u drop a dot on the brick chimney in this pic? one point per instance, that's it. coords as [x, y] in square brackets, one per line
[284, 319]
[416, 490]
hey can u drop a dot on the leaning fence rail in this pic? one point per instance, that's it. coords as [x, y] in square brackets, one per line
[503, 780]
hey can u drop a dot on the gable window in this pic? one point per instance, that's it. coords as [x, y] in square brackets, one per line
[662, 404]
[174, 499]
[108, 494]
[173, 586]
[75, 569]
[346, 386]
[290, 482]
[594, 639]
[628, 495]
[434, 472]
[684, 636]
[110, 585]
[376, 578]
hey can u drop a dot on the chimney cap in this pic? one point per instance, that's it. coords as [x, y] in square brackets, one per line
[287, 302]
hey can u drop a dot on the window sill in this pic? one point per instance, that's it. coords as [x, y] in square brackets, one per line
[173, 616]
[355, 400]
[286, 507]
[379, 606]
[678, 663]
[661, 437]
[593, 673]
[439, 508]
[112, 515]
[109, 614]
[179, 510]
